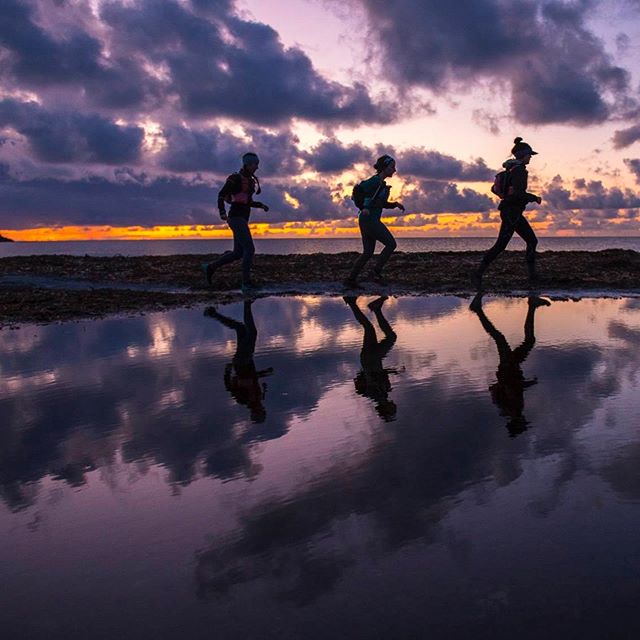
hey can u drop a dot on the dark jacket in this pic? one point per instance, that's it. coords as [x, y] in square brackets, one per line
[238, 191]
[517, 197]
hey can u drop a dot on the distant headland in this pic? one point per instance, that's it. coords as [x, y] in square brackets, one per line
[3, 239]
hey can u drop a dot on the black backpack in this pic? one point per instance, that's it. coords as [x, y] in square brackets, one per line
[358, 195]
[500, 184]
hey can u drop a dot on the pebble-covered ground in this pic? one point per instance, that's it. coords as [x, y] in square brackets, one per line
[441, 272]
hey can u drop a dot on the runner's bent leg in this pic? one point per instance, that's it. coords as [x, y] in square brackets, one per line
[230, 256]
[524, 230]
[243, 233]
[382, 234]
[368, 247]
[504, 235]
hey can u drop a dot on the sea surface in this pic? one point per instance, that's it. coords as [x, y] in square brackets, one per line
[304, 245]
[319, 468]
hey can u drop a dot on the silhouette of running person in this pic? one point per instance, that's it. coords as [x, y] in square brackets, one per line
[241, 378]
[375, 198]
[508, 390]
[511, 209]
[373, 379]
[238, 190]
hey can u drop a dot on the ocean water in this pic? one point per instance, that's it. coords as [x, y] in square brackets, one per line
[304, 245]
[324, 468]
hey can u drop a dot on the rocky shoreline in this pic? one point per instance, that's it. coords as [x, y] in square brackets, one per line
[181, 276]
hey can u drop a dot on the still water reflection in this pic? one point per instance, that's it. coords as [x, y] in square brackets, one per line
[314, 467]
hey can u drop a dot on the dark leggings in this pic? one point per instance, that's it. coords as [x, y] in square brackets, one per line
[373, 230]
[242, 247]
[512, 222]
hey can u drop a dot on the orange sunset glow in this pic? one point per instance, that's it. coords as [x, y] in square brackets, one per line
[186, 232]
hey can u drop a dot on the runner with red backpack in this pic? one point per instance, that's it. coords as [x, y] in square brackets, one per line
[371, 197]
[238, 191]
[510, 186]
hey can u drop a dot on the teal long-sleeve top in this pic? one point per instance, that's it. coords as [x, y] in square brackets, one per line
[381, 201]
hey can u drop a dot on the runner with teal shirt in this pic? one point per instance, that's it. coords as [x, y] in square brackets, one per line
[374, 196]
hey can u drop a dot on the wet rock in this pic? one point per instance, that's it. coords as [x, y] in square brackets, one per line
[437, 272]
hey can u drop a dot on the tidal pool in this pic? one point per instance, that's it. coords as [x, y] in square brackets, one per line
[321, 468]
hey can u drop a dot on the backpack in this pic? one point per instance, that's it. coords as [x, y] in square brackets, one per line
[500, 186]
[358, 195]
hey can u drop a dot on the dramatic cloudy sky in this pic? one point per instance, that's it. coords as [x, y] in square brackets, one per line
[120, 118]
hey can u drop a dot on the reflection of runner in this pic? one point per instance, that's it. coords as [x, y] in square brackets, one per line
[373, 380]
[241, 378]
[508, 391]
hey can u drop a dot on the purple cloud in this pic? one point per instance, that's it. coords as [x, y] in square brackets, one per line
[65, 136]
[556, 68]
[626, 137]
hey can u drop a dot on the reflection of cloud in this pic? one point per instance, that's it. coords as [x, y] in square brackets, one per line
[623, 332]
[399, 492]
[112, 388]
[301, 573]
[622, 472]
[446, 440]
[156, 382]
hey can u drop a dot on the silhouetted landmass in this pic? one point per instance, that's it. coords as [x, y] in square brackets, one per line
[3, 239]
[417, 273]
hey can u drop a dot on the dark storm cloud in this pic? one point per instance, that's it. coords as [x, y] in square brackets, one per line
[557, 69]
[220, 152]
[279, 152]
[200, 150]
[71, 137]
[587, 206]
[589, 195]
[444, 197]
[128, 199]
[211, 6]
[626, 137]
[33, 58]
[315, 201]
[220, 65]
[331, 156]
[198, 57]
[634, 166]
[434, 165]
[131, 199]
